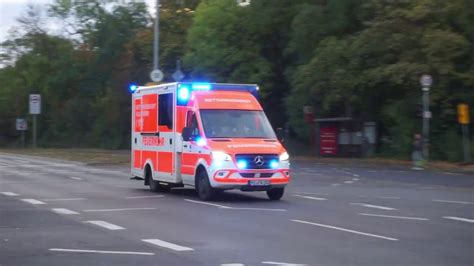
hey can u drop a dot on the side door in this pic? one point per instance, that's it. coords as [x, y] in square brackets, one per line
[190, 154]
[165, 170]
[137, 126]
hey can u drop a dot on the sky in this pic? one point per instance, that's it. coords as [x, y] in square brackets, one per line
[10, 10]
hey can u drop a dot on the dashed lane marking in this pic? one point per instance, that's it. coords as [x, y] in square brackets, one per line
[75, 178]
[117, 210]
[67, 199]
[453, 201]
[348, 182]
[106, 225]
[388, 197]
[144, 197]
[374, 206]
[346, 230]
[33, 201]
[310, 197]
[232, 264]
[11, 194]
[102, 251]
[257, 209]
[459, 219]
[282, 263]
[63, 211]
[167, 245]
[395, 217]
[207, 203]
[335, 184]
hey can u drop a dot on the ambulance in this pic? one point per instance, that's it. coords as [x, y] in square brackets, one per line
[209, 136]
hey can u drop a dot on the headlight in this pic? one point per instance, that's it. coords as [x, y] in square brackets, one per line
[284, 156]
[220, 156]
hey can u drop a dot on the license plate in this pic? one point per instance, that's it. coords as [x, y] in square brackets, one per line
[259, 182]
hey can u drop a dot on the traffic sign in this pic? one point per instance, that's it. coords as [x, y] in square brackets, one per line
[35, 104]
[426, 80]
[427, 114]
[178, 75]
[156, 75]
[463, 113]
[21, 124]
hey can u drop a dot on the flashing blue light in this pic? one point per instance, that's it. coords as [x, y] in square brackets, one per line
[133, 87]
[274, 164]
[183, 93]
[241, 164]
[201, 142]
[201, 86]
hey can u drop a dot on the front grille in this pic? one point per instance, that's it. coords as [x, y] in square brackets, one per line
[250, 159]
[252, 175]
[247, 175]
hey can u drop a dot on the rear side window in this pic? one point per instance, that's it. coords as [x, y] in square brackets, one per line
[165, 110]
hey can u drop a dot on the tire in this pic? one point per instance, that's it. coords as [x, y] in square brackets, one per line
[155, 185]
[275, 193]
[203, 187]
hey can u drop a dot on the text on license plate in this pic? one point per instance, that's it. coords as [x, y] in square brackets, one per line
[259, 182]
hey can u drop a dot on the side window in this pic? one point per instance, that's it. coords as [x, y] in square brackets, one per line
[165, 110]
[191, 121]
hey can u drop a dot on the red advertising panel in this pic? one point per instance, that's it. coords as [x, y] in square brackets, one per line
[328, 140]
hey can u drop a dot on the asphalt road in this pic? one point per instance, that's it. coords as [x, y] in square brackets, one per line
[56, 212]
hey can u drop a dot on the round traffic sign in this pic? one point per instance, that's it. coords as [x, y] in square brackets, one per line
[178, 75]
[426, 80]
[156, 75]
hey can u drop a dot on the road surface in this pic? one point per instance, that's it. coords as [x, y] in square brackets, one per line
[55, 212]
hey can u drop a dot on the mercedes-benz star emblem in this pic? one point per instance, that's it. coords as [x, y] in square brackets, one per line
[258, 160]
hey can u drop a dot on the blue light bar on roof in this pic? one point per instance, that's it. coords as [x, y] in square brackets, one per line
[201, 86]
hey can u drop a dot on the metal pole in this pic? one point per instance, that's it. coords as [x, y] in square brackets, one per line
[156, 39]
[23, 139]
[426, 123]
[34, 131]
[466, 144]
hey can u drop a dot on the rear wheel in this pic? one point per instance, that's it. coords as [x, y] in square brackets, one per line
[154, 185]
[203, 187]
[275, 193]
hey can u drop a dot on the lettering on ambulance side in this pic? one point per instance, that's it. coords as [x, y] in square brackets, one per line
[153, 141]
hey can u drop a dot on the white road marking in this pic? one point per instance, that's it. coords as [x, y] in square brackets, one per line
[355, 179]
[256, 209]
[168, 245]
[448, 173]
[63, 211]
[106, 225]
[10, 194]
[33, 201]
[117, 210]
[388, 197]
[374, 206]
[395, 217]
[355, 175]
[102, 251]
[459, 219]
[453, 201]
[75, 178]
[346, 230]
[313, 193]
[310, 197]
[207, 203]
[282, 263]
[348, 182]
[232, 264]
[67, 199]
[336, 184]
[144, 197]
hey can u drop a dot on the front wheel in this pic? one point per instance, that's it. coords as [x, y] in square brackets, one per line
[275, 193]
[204, 189]
[155, 186]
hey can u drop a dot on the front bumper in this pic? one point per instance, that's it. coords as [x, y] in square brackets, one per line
[239, 179]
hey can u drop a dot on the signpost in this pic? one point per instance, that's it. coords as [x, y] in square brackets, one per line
[426, 81]
[178, 75]
[35, 109]
[22, 126]
[463, 119]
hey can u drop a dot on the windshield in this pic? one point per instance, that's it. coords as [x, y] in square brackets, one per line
[236, 124]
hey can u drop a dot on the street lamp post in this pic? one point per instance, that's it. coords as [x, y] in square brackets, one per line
[156, 74]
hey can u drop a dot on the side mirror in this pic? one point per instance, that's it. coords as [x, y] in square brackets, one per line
[187, 133]
[280, 134]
